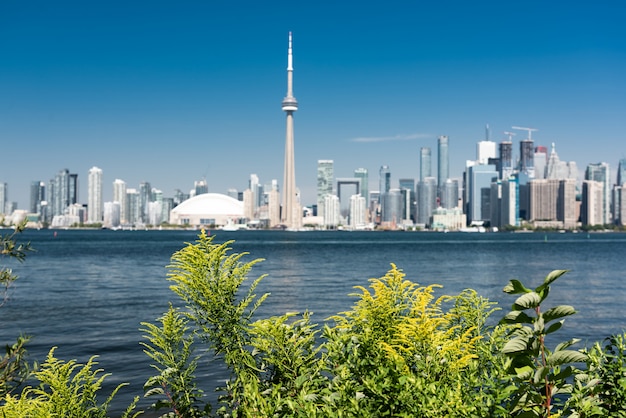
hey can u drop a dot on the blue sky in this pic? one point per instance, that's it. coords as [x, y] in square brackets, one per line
[172, 92]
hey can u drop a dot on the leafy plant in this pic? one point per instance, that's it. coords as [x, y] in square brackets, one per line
[67, 389]
[539, 375]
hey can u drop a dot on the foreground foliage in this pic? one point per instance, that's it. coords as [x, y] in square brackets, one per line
[399, 351]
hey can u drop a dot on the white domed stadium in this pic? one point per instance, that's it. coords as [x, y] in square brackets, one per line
[207, 209]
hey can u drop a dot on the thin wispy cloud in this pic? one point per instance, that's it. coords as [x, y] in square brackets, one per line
[407, 137]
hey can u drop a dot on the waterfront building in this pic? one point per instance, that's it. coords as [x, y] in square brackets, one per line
[4, 191]
[426, 200]
[248, 204]
[592, 210]
[619, 197]
[600, 172]
[94, 196]
[451, 219]
[145, 196]
[208, 209]
[133, 207]
[332, 218]
[425, 163]
[450, 194]
[291, 215]
[361, 173]
[273, 207]
[409, 210]
[391, 209]
[509, 202]
[37, 195]
[112, 211]
[357, 211]
[495, 202]
[443, 169]
[479, 179]
[325, 179]
[119, 195]
[566, 204]
[544, 194]
[506, 159]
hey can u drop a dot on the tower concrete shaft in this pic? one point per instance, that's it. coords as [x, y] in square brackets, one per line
[290, 215]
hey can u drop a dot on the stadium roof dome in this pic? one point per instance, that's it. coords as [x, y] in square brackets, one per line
[207, 208]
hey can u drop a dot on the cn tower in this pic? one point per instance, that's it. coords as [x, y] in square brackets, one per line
[290, 216]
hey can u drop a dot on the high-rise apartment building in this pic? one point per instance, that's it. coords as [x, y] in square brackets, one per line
[145, 197]
[443, 169]
[331, 209]
[201, 187]
[119, 195]
[479, 182]
[37, 195]
[557, 169]
[361, 173]
[60, 192]
[409, 199]
[509, 202]
[425, 163]
[450, 194]
[621, 172]
[95, 205]
[134, 206]
[325, 179]
[4, 191]
[591, 209]
[384, 179]
[357, 211]
[600, 172]
[392, 208]
[426, 200]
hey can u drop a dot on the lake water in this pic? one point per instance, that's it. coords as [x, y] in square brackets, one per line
[87, 291]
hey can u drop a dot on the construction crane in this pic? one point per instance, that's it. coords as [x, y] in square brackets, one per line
[530, 131]
[510, 134]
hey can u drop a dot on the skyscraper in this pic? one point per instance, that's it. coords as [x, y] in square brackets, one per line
[443, 170]
[37, 195]
[94, 199]
[60, 192]
[600, 172]
[506, 159]
[384, 179]
[145, 197]
[484, 151]
[526, 157]
[425, 163]
[361, 173]
[119, 195]
[4, 191]
[621, 172]
[325, 179]
[290, 216]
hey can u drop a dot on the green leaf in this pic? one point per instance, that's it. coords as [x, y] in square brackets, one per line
[554, 327]
[558, 312]
[524, 372]
[515, 287]
[566, 344]
[566, 356]
[516, 345]
[527, 301]
[551, 277]
[517, 317]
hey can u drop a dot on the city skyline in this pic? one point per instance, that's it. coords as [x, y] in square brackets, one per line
[171, 95]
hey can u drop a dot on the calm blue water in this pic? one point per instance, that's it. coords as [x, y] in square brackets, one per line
[87, 291]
